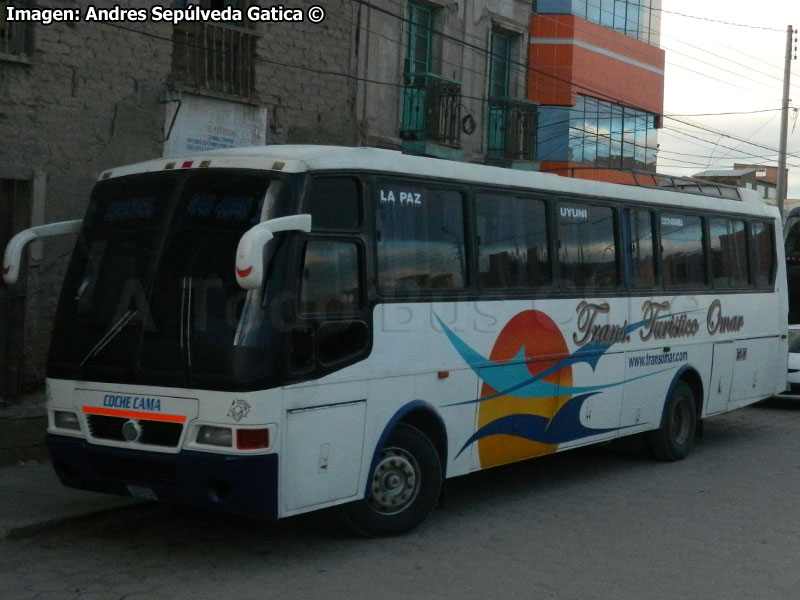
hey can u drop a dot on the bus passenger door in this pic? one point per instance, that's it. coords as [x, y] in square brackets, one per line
[323, 443]
[721, 377]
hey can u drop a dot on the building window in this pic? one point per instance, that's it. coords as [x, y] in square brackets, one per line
[500, 66]
[217, 57]
[600, 134]
[511, 126]
[633, 18]
[420, 39]
[14, 35]
[212, 4]
[499, 87]
[431, 103]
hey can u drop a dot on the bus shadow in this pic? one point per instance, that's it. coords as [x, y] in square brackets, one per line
[195, 530]
[469, 497]
[778, 403]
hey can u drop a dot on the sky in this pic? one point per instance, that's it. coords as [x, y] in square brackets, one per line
[727, 56]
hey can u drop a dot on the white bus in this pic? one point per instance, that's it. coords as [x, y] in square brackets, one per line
[280, 329]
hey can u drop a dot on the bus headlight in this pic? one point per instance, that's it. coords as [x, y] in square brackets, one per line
[215, 436]
[63, 419]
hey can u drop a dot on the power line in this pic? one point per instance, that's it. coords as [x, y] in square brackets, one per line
[722, 114]
[472, 47]
[746, 154]
[718, 21]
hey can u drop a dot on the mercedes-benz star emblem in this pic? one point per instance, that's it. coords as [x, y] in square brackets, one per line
[131, 431]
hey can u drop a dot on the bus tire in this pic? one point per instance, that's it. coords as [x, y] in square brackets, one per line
[673, 440]
[404, 488]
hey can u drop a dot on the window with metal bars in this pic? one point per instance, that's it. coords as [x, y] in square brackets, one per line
[218, 57]
[14, 35]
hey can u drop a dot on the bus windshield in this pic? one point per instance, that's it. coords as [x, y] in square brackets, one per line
[151, 295]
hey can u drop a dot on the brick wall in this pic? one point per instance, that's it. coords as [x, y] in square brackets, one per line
[303, 73]
[88, 97]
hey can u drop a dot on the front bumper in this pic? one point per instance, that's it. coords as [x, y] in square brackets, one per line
[246, 485]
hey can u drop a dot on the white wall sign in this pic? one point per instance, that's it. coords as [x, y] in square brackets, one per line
[211, 124]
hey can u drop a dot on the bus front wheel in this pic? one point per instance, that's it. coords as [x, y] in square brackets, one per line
[404, 487]
[673, 440]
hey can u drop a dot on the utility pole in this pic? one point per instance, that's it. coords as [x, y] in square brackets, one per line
[787, 73]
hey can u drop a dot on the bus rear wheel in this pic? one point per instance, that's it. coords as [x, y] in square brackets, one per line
[404, 487]
[673, 440]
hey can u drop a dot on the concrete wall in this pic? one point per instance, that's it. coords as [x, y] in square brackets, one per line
[305, 76]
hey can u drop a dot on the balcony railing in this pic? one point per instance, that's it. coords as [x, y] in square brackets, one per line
[215, 57]
[512, 129]
[431, 110]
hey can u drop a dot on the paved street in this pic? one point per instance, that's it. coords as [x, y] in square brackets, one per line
[593, 523]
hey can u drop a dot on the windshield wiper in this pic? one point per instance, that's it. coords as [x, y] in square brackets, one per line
[111, 334]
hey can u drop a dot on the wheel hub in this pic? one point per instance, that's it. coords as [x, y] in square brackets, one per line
[395, 483]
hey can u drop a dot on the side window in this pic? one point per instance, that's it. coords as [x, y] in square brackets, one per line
[512, 242]
[728, 244]
[329, 280]
[762, 243]
[331, 332]
[587, 252]
[642, 258]
[682, 259]
[334, 204]
[420, 238]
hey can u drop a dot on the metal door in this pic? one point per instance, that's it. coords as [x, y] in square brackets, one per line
[15, 215]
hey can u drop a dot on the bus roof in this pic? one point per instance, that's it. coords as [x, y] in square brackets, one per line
[302, 158]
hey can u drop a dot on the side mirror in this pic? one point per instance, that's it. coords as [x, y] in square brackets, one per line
[13, 253]
[250, 252]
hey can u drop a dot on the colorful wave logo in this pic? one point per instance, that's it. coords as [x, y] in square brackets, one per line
[528, 403]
